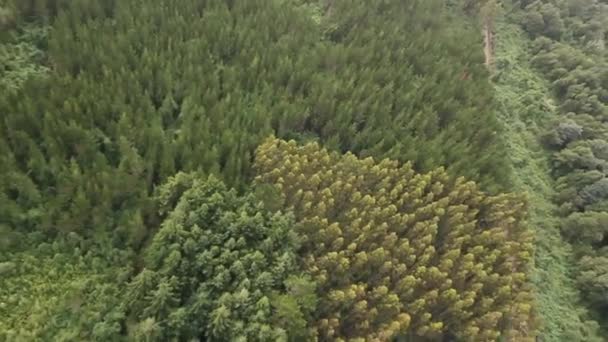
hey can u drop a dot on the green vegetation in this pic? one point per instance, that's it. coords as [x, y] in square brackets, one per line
[62, 290]
[525, 106]
[21, 57]
[566, 45]
[218, 267]
[399, 253]
[134, 206]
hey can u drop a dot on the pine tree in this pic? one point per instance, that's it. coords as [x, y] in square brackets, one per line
[188, 92]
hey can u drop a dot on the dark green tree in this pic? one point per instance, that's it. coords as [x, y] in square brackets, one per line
[141, 90]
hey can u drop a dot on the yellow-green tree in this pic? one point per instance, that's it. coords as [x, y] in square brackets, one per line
[396, 253]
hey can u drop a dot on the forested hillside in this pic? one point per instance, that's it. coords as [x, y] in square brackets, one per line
[300, 170]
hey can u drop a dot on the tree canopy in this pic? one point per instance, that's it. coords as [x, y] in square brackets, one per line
[221, 267]
[140, 201]
[399, 253]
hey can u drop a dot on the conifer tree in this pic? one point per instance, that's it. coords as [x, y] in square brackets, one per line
[140, 90]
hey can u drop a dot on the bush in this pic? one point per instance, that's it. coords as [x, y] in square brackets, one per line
[593, 279]
[563, 133]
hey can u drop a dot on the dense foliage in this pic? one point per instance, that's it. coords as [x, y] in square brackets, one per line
[526, 105]
[125, 108]
[569, 50]
[218, 268]
[63, 290]
[127, 138]
[399, 253]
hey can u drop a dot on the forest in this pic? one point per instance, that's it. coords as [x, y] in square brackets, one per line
[303, 170]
